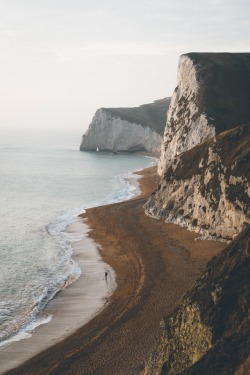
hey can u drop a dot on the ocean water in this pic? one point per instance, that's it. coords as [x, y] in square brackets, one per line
[44, 186]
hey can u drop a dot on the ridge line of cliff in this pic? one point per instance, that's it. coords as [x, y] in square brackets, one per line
[127, 129]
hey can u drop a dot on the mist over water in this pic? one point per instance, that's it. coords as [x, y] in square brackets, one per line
[44, 185]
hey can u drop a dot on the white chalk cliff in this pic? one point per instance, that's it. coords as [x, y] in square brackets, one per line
[205, 156]
[107, 132]
[207, 189]
[186, 126]
[127, 129]
[212, 96]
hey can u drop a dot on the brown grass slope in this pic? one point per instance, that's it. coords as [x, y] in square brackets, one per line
[152, 115]
[224, 93]
[210, 332]
[207, 188]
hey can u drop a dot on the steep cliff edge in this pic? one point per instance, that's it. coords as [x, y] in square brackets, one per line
[127, 129]
[213, 95]
[205, 174]
[209, 333]
[207, 188]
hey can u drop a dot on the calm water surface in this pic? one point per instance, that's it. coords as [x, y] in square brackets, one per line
[44, 186]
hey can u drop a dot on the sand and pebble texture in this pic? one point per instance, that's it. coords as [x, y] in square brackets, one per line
[72, 307]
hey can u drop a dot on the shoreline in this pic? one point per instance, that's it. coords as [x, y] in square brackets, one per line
[121, 336]
[71, 308]
[56, 319]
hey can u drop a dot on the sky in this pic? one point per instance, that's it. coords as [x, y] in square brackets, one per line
[61, 60]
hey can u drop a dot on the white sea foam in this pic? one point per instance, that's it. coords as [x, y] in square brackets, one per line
[40, 260]
[67, 272]
[26, 331]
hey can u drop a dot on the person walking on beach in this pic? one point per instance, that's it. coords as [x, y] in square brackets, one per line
[106, 275]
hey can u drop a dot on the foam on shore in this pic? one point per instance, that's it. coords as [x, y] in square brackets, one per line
[71, 308]
[74, 306]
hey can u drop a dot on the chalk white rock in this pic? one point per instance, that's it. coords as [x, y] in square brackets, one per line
[186, 126]
[108, 132]
[206, 189]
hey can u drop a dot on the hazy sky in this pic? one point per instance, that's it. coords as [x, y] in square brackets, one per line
[60, 60]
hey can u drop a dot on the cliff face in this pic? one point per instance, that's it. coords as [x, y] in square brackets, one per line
[213, 95]
[207, 188]
[204, 163]
[127, 129]
[209, 332]
[205, 169]
[107, 132]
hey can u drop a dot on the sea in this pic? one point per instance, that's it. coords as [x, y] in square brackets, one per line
[45, 183]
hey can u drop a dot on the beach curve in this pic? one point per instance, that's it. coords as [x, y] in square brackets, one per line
[155, 264]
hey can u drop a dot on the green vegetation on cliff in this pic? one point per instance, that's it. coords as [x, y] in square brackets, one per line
[205, 169]
[152, 115]
[210, 332]
[207, 187]
[224, 87]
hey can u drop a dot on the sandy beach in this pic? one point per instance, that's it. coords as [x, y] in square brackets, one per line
[155, 264]
[71, 308]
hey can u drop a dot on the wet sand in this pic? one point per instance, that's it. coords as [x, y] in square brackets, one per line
[155, 264]
[71, 308]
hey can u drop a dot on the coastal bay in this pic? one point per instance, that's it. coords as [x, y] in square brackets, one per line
[155, 264]
[38, 202]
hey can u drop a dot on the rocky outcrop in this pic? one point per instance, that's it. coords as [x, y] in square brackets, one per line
[205, 174]
[213, 95]
[127, 129]
[209, 333]
[206, 189]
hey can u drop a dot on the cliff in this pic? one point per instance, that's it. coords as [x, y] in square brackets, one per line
[213, 95]
[127, 129]
[209, 333]
[205, 174]
[206, 189]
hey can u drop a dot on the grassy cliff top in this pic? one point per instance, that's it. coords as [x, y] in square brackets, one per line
[152, 115]
[232, 147]
[227, 275]
[224, 87]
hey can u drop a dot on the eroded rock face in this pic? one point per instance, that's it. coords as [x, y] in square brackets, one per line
[107, 132]
[213, 95]
[186, 125]
[205, 169]
[206, 189]
[209, 332]
[127, 129]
